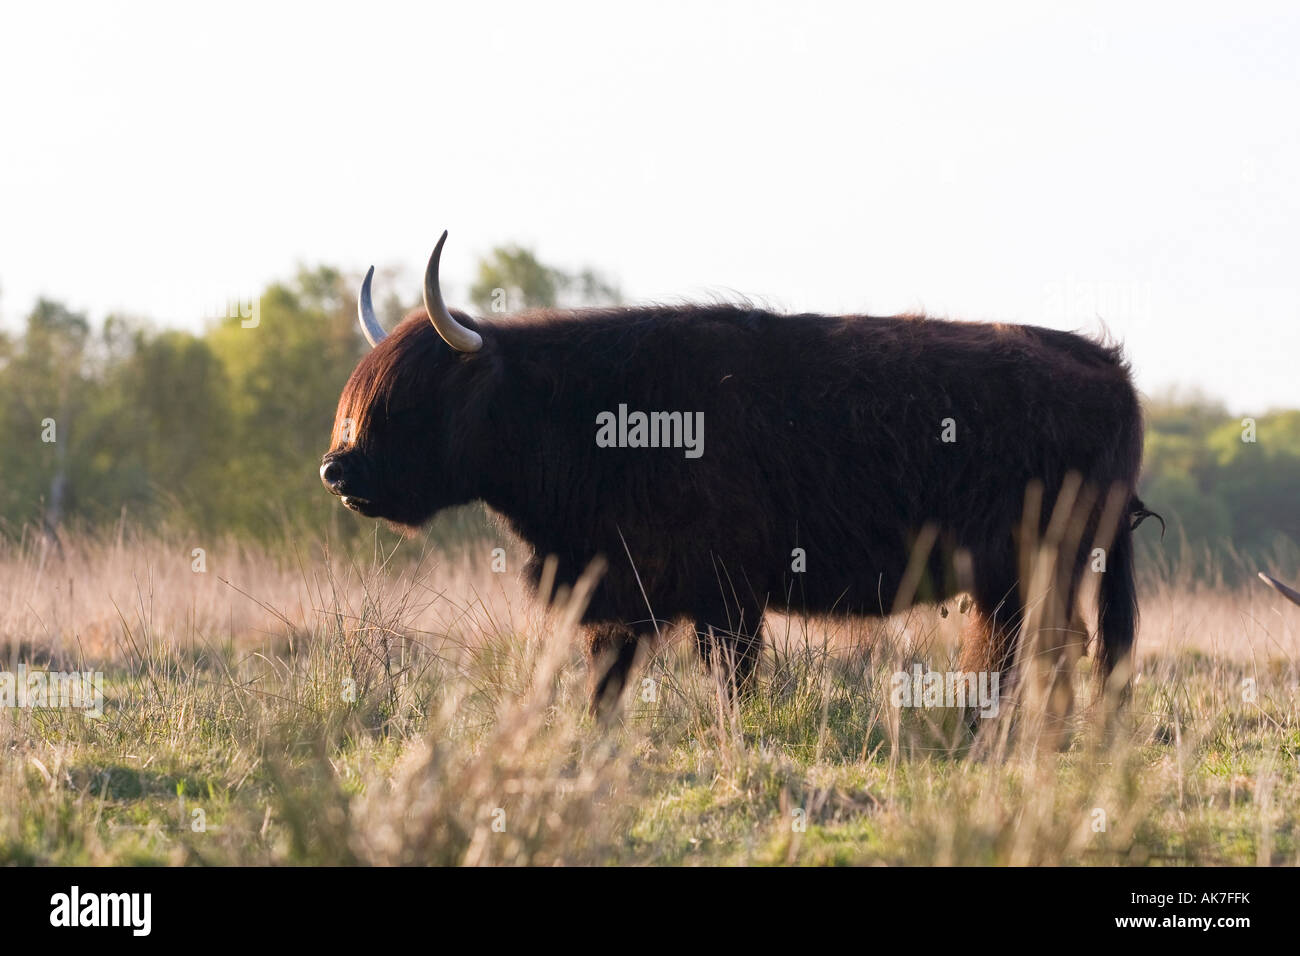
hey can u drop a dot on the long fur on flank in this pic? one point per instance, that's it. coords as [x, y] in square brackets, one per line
[823, 433]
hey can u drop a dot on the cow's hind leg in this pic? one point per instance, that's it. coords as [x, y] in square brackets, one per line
[989, 643]
[730, 641]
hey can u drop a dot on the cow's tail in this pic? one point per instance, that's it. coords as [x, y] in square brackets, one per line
[1117, 612]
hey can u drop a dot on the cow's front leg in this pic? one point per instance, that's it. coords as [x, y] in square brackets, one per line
[611, 653]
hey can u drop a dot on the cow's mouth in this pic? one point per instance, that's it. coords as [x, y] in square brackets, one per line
[362, 506]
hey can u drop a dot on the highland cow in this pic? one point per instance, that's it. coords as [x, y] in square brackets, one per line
[832, 451]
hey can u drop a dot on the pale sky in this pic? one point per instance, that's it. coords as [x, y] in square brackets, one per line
[1046, 163]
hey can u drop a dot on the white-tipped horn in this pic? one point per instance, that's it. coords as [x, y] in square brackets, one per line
[370, 327]
[1290, 593]
[452, 332]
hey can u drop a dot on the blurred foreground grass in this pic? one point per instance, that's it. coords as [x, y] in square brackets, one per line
[409, 709]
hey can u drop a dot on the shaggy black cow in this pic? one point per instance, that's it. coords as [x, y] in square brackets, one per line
[724, 459]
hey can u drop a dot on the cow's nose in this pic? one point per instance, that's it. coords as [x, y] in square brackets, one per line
[331, 473]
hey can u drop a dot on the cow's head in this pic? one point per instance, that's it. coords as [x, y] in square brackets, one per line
[397, 448]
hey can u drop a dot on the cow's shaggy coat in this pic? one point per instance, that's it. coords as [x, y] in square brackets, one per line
[821, 433]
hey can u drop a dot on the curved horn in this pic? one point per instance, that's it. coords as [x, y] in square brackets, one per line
[1280, 588]
[370, 327]
[452, 332]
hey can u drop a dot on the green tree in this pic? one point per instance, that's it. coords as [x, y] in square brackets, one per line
[1227, 496]
[510, 279]
[285, 375]
[45, 386]
[161, 432]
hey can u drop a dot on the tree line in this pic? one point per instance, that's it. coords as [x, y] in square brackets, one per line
[221, 431]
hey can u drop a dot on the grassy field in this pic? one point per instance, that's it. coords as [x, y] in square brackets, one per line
[413, 708]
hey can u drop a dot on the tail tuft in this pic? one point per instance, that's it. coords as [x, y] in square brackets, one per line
[1139, 512]
[1117, 612]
